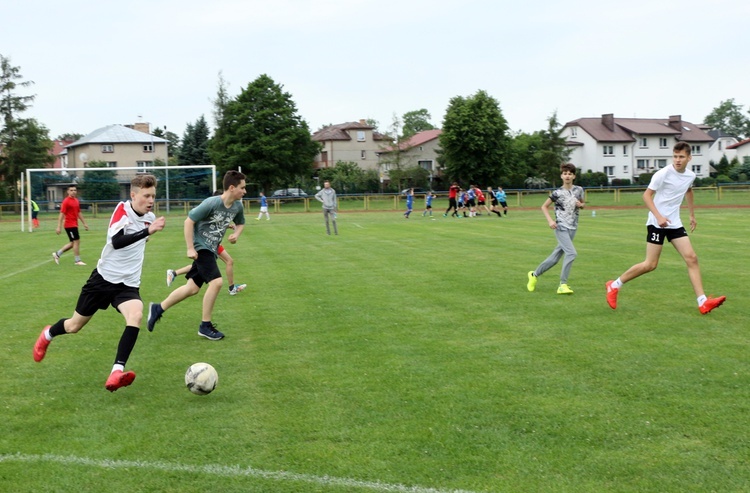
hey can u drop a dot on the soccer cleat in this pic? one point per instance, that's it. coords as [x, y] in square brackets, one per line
[564, 289]
[170, 276]
[40, 347]
[209, 332]
[237, 288]
[611, 294]
[155, 311]
[531, 285]
[56, 257]
[119, 378]
[711, 303]
[80, 262]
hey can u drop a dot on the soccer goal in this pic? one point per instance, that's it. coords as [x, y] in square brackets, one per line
[100, 187]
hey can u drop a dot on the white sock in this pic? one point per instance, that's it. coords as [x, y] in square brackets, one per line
[702, 299]
[47, 336]
[616, 284]
[118, 367]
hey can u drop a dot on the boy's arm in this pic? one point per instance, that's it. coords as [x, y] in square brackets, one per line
[545, 209]
[80, 216]
[691, 209]
[60, 220]
[648, 199]
[237, 232]
[188, 231]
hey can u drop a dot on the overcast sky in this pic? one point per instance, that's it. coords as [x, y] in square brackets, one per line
[98, 63]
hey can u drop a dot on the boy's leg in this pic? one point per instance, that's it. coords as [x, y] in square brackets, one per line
[209, 299]
[685, 249]
[565, 240]
[549, 262]
[653, 252]
[325, 216]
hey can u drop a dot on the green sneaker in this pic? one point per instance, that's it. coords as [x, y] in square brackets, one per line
[564, 289]
[531, 285]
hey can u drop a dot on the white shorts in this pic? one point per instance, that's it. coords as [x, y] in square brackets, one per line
[263, 209]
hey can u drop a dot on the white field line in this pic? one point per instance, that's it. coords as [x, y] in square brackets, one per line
[11, 274]
[218, 470]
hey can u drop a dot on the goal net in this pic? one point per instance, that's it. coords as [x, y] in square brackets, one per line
[102, 188]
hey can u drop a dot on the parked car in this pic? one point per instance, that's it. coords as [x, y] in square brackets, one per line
[289, 192]
[417, 191]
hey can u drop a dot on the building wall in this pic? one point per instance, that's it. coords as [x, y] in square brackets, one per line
[363, 153]
[124, 154]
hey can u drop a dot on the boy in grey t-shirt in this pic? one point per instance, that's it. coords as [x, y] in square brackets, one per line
[330, 204]
[568, 200]
[205, 227]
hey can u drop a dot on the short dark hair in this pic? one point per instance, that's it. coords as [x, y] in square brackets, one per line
[568, 167]
[232, 178]
[683, 146]
[143, 181]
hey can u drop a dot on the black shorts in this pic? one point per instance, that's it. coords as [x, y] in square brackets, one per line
[72, 235]
[100, 294]
[428, 207]
[494, 202]
[504, 204]
[480, 202]
[656, 235]
[204, 268]
[471, 203]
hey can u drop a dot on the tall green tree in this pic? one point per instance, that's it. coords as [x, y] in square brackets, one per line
[415, 122]
[475, 145]
[261, 133]
[728, 116]
[173, 141]
[26, 141]
[101, 185]
[552, 153]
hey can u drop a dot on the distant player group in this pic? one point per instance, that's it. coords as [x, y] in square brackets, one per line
[116, 279]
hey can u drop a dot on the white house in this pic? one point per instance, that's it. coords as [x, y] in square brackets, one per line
[623, 148]
[742, 149]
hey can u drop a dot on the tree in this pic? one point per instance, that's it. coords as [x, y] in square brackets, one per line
[261, 133]
[728, 117]
[173, 141]
[552, 153]
[26, 142]
[475, 146]
[100, 185]
[221, 101]
[415, 122]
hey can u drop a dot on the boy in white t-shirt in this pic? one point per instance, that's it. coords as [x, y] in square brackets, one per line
[663, 198]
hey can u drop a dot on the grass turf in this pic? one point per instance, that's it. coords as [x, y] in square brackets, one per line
[402, 355]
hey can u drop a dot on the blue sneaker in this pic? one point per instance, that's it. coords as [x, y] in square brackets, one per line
[155, 311]
[209, 332]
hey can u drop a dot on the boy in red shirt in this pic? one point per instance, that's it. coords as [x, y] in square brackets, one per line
[70, 213]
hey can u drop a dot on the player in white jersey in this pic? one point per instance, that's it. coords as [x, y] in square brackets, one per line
[663, 198]
[116, 279]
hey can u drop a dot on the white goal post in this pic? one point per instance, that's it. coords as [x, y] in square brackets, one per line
[26, 190]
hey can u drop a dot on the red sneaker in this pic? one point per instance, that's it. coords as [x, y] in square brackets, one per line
[40, 347]
[711, 303]
[119, 379]
[611, 295]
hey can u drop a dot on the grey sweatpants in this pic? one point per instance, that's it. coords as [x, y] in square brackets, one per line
[564, 247]
[332, 214]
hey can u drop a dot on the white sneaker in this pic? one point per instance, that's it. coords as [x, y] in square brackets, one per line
[237, 288]
[56, 257]
[170, 276]
[80, 262]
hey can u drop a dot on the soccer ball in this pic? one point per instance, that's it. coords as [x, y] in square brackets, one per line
[201, 378]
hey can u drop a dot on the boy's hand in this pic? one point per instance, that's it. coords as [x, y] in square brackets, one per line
[157, 225]
[191, 253]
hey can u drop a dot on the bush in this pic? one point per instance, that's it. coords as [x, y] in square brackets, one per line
[620, 182]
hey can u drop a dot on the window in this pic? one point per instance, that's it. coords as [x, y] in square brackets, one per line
[574, 131]
[661, 163]
[108, 148]
[148, 148]
[111, 164]
[663, 142]
[696, 149]
[425, 165]
[609, 170]
[142, 165]
[624, 150]
[642, 163]
[609, 150]
[363, 154]
[644, 141]
[360, 135]
[696, 169]
[625, 169]
[720, 145]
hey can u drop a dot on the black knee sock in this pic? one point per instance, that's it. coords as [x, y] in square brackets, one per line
[127, 343]
[58, 329]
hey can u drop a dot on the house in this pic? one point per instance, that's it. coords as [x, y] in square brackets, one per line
[355, 142]
[720, 146]
[742, 149]
[119, 146]
[419, 150]
[624, 148]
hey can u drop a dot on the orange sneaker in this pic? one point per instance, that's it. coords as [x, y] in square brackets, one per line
[611, 295]
[40, 347]
[119, 379]
[711, 303]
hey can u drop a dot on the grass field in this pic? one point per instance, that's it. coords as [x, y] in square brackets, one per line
[400, 356]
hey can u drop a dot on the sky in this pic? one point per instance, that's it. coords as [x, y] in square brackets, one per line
[159, 61]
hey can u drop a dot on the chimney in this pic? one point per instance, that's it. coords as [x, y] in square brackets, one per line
[142, 127]
[608, 121]
[675, 121]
